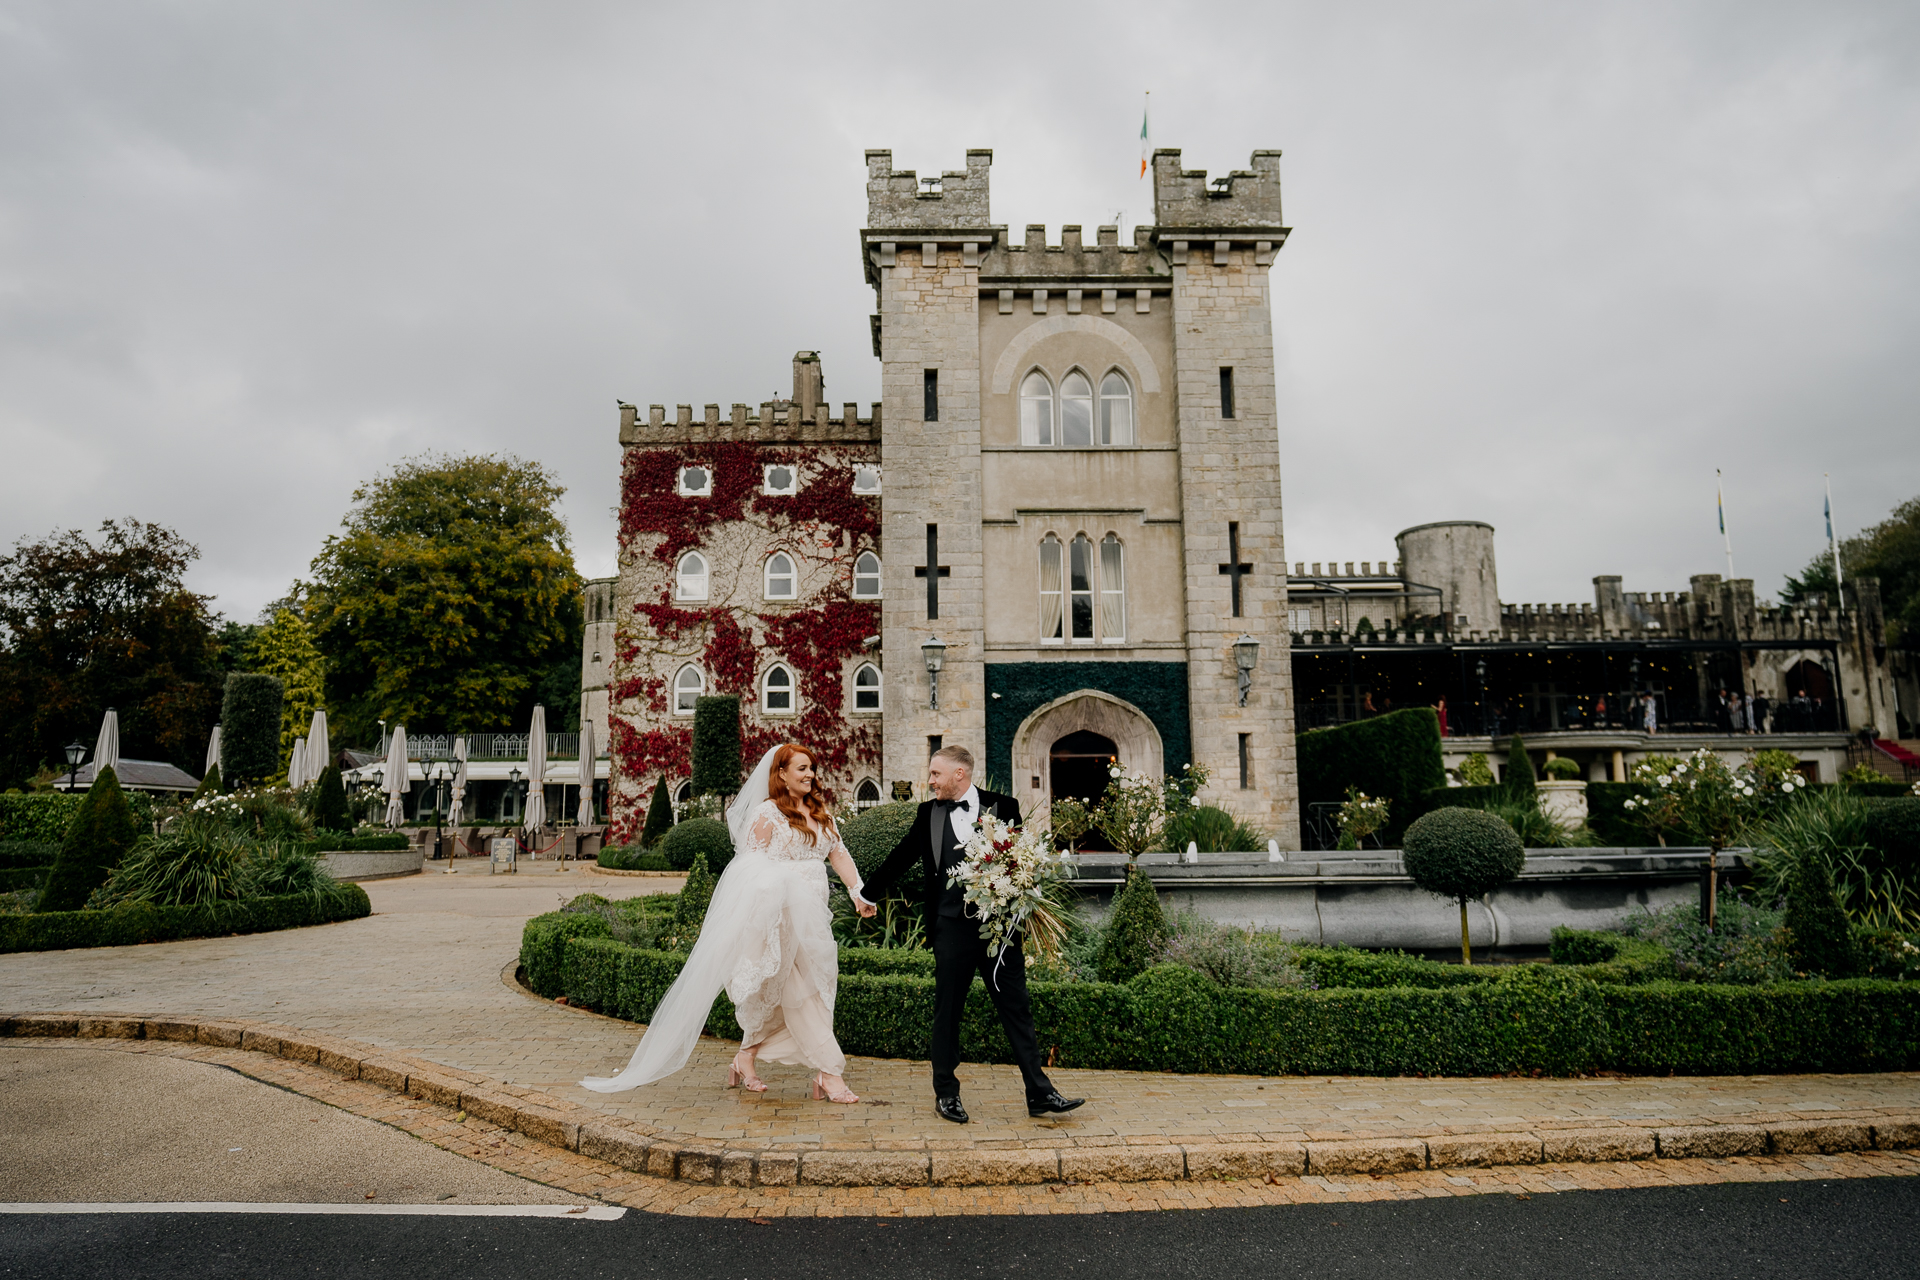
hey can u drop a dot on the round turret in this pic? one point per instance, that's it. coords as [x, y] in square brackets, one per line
[1457, 557]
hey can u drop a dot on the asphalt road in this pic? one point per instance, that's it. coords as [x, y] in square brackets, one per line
[1857, 1229]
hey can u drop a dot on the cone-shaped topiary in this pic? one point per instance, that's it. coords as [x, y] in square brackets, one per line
[1136, 931]
[716, 744]
[330, 812]
[1821, 941]
[250, 729]
[1462, 854]
[691, 911]
[659, 815]
[1520, 777]
[209, 785]
[698, 838]
[99, 836]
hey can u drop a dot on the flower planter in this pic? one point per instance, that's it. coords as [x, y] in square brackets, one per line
[1564, 802]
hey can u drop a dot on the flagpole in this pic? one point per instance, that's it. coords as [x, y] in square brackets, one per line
[1833, 543]
[1721, 498]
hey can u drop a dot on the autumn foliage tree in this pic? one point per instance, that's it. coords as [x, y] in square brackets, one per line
[449, 598]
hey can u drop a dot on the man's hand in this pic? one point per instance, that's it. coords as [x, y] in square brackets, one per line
[866, 909]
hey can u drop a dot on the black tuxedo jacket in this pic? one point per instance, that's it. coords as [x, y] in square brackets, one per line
[918, 844]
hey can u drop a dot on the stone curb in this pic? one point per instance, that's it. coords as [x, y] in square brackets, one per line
[635, 1147]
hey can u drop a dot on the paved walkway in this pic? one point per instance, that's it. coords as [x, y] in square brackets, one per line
[423, 975]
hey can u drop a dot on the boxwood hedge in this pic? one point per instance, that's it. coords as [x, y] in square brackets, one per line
[143, 922]
[1396, 755]
[1604, 1014]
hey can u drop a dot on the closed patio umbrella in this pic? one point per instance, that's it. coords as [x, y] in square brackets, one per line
[397, 782]
[319, 747]
[297, 765]
[213, 752]
[536, 815]
[106, 748]
[585, 814]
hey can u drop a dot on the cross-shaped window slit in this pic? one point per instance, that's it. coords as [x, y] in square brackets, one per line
[933, 571]
[1233, 568]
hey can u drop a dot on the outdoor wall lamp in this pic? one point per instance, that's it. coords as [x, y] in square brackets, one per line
[1246, 655]
[935, 651]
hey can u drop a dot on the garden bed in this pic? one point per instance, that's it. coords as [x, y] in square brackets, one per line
[139, 922]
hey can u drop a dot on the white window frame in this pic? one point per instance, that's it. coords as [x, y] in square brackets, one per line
[1104, 589]
[766, 479]
[867, 468]
[1102, 427]
[874, 577]
[1030, 433]
[681, 578]
[1092, 401]
[686, 490]
[676, 688]
[878, 687]
[792, 691]
[1092, 593]
[1059, 548]
[792, 576]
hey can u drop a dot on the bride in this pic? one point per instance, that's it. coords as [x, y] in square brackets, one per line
[766, 939]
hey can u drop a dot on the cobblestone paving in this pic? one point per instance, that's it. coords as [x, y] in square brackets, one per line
[423, 975]
[589, 1178]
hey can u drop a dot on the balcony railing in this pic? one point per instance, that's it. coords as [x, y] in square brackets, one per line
[493, 746]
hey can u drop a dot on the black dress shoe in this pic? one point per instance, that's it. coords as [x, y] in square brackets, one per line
[1052, 1104]
[950, 1109]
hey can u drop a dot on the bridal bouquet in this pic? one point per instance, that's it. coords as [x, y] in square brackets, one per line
[1009, 876]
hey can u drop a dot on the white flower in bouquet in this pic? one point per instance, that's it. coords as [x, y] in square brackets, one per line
[1008, 876]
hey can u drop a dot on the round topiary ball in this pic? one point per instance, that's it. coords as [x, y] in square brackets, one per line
[1462, 853]
[689, 839]
[872, 835]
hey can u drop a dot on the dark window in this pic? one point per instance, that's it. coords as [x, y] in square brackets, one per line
[1226, 393]
[1246, 762]
[933, 744]
[932, 411]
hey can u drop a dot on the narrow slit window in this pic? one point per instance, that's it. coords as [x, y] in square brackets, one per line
[1116, 409]
[866, 576]
[1246, 762]
[1113, 591]
[1036, 409]
[866, 688]
[1050, 598]
[1226, 392]
[932, 392]
[1080, 587]
[1076, 411]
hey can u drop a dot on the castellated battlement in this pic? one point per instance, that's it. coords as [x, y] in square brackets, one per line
[805, 419]
[1184, 200]
[1073, 258]
[897, 199]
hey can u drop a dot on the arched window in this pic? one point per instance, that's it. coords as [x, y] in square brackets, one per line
[1050, 599]
[776, 691]
[866, 688]
[691, 576]
[1080, 588]
[1076, 411]
[866, 576]
[1113, 592]
[688, 684]
[1036, 409]
[780, 576]
[1116, 409]
[866, 795]
[696, 481]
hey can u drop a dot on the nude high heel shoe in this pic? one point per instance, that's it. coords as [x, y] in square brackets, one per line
[736, 1077]
[820, 1092]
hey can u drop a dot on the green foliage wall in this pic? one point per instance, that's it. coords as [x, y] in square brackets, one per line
[1396, 755]
[250, 729]
[716, 744]
[1015, 690]
[43, 816]
[99, 836]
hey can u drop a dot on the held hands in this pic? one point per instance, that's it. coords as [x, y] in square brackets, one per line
[866, 910]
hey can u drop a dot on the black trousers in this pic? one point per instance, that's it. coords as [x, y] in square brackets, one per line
[959, 952]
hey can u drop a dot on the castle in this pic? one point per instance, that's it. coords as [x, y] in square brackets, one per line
[1056, 539]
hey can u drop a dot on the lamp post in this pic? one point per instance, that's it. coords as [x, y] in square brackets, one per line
[76, 752]
[935, 651]
[1480, 701]
[439, 804]
[513, 785]
[379, 782]
[1246, 655]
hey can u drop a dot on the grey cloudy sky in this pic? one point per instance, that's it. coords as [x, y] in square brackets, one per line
[1551, 264]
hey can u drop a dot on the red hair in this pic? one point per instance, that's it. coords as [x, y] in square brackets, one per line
[797, 807]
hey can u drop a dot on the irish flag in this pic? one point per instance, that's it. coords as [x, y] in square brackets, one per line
[1146, 147]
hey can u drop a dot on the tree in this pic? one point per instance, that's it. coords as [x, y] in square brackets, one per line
[250, 729]
[716, 744]
[1521, 779]
[86, 625]
[659, 815]
[1889, 551]
[448, 596]
[98, 837]
[1136, 929]
[1462, 854]
[283, 648]
[330, 812]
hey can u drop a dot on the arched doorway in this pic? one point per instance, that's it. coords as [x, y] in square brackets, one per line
[1122, 727]
[1810, 706]
[1077, 767]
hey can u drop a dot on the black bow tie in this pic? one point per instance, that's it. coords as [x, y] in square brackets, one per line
[951, 805]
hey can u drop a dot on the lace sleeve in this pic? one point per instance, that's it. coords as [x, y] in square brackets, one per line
[764, 828]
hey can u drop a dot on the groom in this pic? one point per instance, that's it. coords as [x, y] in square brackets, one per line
[937, 841]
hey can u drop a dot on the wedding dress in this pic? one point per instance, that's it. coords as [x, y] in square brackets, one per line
[767, 940]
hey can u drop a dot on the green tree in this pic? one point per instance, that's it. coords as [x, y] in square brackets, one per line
[98, 837]
[447, 597]
[330, 812]
[283, 648]
[716, 744]
[86, 625]
[249, 729]
[1136, 929]
[659, 815]
[1521, 779]
[1889, 551]
[1462, 854]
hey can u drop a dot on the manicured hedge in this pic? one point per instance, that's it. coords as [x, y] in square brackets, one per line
[28, 853]
[337, 842]
[13, 878]
[41, 816]
[1607, 815]
[1893, 827]
[1510, 1018]
[143, 922]
[1396, 755]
